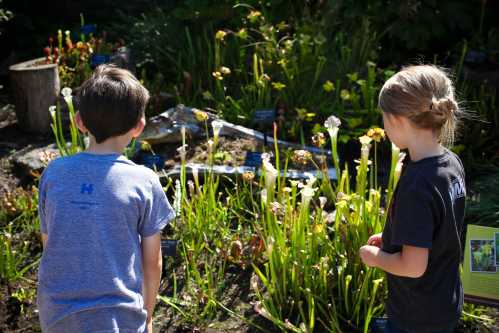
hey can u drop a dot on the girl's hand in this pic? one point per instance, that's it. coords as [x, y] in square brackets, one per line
[375, 240]
[149, 326]
[368, 255]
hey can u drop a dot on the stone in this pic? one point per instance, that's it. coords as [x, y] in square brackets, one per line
[166, 127]
[32, 161]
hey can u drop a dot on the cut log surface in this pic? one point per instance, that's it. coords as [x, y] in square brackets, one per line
[35, 88]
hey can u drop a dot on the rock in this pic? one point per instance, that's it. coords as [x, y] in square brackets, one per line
[232, 130]
[166, 127]
[33, 160]
[7, 114]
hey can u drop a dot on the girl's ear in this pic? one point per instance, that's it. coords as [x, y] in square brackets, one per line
[79, 123]
[137, 130]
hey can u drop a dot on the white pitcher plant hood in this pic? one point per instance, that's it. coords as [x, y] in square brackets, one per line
[270, 174]
[365, 141]
[308, 191]
[52, 110]
[217, 126]
[332, 125]
[66, 92]
[182, 150]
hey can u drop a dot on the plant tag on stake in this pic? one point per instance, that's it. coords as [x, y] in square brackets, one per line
[153, 161]
[264, 116]
[88, 29]
[253, 159]
[99, 59]
[169, 247]
[378, 325]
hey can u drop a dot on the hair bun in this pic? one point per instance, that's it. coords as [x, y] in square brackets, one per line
[443, 107]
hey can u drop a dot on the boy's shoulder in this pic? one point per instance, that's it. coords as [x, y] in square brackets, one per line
[98, 163]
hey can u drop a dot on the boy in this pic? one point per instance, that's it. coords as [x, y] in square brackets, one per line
[101, 217]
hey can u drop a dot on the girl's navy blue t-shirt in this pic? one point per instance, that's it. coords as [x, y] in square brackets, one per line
[428, 212]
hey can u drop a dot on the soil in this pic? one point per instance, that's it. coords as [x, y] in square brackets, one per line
[16, 315]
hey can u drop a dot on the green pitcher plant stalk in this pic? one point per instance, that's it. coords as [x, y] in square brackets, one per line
[77, 142]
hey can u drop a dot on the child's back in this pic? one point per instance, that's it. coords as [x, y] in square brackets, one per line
[428, 212]
[100, 218]
[97, 205]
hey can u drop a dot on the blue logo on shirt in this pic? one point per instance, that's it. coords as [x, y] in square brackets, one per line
[87, 188]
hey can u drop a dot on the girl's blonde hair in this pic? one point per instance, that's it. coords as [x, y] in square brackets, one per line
[424, 94]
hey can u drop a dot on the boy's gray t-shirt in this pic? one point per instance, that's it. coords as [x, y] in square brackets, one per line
[95, 210]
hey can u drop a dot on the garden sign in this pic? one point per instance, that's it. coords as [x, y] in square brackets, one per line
[481, 265]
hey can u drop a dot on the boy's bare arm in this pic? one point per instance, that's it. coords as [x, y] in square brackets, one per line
[410, 262]
[152, 264]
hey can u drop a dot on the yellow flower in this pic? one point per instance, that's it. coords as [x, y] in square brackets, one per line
[377, 134]
[248, 176]
[318, 228]
[328, 86]
[217, 75]
[200, 115]
[283, 62]
[345, 95]
[254, 15]
[319, 140]
[146, 146]
[278, 86]
[303, 114]
[220, 35]
[225, 70]
[243, 33]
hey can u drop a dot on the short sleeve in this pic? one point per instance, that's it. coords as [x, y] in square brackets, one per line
[42, 195]
[157, 212]
[414, 219]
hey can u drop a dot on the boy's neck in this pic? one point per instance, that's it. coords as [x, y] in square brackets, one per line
[115, 145]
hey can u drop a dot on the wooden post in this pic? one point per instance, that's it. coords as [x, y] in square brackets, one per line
[35, 88]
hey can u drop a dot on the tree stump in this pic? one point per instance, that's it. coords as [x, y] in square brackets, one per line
[35, 88]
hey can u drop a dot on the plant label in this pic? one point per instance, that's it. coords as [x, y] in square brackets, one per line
[169, 247]
[253, 159]
[264, 116]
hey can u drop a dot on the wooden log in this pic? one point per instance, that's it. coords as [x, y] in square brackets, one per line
[35, 87]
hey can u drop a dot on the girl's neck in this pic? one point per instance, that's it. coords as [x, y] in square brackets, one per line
[423, 146]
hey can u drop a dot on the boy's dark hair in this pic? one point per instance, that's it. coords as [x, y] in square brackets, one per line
[111, 102]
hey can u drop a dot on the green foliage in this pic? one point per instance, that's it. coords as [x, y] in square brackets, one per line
[19, 240]
[5, 15]
[308, 276]
[482, 207]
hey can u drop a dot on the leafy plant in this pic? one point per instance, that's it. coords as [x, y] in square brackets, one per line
[19, 227]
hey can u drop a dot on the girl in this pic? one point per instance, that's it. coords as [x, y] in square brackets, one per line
[420, 247]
